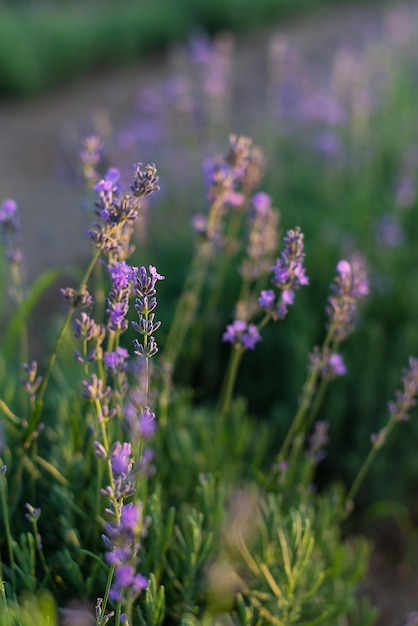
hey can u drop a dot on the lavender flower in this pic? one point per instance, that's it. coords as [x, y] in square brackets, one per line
[145, 180]
[406, 399]
[243, 334]
[118, 213]
[125, 526]
[11, 232]
[146, 302]
[262, 237]
[90, 154]
[289, 275]
[118, 298]
[33, 514]
[79, 300]
[115, 361]
[86, 329]
[388, 231]
[350, 285]
[317, 442]
[31, 381]
[330, 364]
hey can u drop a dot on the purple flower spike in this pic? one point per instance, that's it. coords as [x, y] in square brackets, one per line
[350, 285]
[241, 333]
[288, 275]
[147, 424]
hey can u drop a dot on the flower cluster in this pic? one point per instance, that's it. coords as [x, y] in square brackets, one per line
[118, 213]
[317, 441]
[31, 381]
[117, 300]
[10, 231]
[329, 364]
[229, 180]
[92, 336]
[146, 303]
[77, 300]
[350, 285]
[241, 333]
[289, 275]
[406, 399]
[262, 237]
[126, 525]
[90, 155]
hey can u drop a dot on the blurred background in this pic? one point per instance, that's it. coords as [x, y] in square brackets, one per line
[329, 91]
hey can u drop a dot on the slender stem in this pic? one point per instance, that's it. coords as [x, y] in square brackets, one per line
[16, 276]
[230, 378]
[309, 389]
[308, 394]
[9, 538]
[106, 593]
[381, 438]
[5, 609]
[35, 417]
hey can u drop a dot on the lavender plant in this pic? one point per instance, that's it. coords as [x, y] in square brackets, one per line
[147, 506]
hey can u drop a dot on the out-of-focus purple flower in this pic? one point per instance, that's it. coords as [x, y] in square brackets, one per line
[33, 514]
[147, 424]
[288, 275]
[350, 285]
[336, 364]
[317, 442]
[120, 458]
[11, 232]
[122, 541]
[389, 232]
[321, 106]
[31, 381]
[79, 300]
[329, 144]
[405, 192]
[241, 333]
[118, 298]
[266, 299]
[90, 155]
[262, 237]
[9, 214]
[407, 398]
[115, 361]
[330, 364]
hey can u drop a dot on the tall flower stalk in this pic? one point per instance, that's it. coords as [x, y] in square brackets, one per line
[399, 408]
[116, 214]
[288, 276]
[350, 285]
[230, 181]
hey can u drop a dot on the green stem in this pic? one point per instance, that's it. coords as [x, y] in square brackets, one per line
[18, 283]
[381, 438]
[307, 397]
[106, 594]
[229, 380]
[9, 537]
[35, 417]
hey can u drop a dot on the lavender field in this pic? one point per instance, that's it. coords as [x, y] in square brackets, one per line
[209, 352]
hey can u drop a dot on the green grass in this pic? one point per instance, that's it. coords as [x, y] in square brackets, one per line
[91, 35]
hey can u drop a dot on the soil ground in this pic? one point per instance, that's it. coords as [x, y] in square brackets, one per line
[31, 171]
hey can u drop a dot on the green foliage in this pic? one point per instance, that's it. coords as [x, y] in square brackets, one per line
[95, 35]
